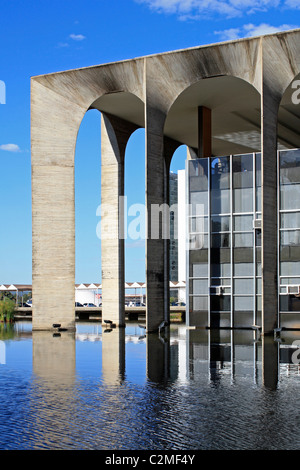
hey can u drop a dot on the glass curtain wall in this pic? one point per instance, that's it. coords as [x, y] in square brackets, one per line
[224, 240]
[289, 235]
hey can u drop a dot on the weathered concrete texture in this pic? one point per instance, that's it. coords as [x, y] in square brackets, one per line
[155, 196]
[269, 213]
[149, 92]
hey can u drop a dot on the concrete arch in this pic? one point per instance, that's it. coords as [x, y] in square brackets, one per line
[55, 125]
[281, 61]
[289, 115]
[168, 75]
[235, 115]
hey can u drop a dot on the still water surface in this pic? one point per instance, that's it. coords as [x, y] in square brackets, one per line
[122, 390]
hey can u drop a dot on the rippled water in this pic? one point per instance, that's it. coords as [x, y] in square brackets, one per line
[120, 390]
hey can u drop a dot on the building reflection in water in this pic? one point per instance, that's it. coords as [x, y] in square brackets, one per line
[233, 353]
[178, 353]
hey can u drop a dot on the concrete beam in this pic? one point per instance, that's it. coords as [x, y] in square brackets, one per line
[204, 132]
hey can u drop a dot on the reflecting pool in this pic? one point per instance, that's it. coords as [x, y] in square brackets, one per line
[119, 389]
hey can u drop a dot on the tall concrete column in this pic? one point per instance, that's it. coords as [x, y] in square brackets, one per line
[114, 137]
[155, 197]
[54, 125]
[269, 107]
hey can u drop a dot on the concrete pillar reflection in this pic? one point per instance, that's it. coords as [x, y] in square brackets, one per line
[158, 358]
[53, 358]
[270, 362]
[113, 355]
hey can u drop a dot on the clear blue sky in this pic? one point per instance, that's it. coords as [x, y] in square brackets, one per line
[42, 36]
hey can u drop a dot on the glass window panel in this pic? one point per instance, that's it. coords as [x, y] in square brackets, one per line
[199, 270]
[198, 241]
[289, 162]
[243, 303]
[289, 197]
[258, 199]
[258, 181]
[258, 286]
[220, 303]
[200, 286]
[290, 237]
[290, 220]
[258, 303]
[243, 269]
[242, 172]
[199, 203]
[284, 303]
[243, 239]
[289, 303]
[242, 200]
[258, 169]
[221, 240]
[198, 168]
[290, 280]
[258, 237]
[220, 173]
[220, 270]
[198, 224]
[220, 282]
[289, 268]
[258, 269]
[243, 286]
[220, 201]
[243, 223]
[199, 303]
[220, 223]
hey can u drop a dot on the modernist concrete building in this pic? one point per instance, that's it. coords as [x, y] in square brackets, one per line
[225, 99]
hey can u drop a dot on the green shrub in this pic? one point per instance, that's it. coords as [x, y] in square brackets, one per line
[7, 310]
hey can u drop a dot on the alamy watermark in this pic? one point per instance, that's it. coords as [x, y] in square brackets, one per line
[2, 352]
[2, 92]
[133, 222]
[296, 93]
[296, 354]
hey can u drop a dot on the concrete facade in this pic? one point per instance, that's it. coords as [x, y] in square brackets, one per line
[162, 93]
